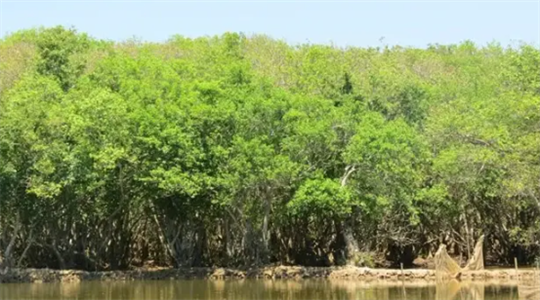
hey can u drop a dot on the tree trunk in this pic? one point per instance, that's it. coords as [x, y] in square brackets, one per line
[467, 235]
[29, 243]
[265, 231]
[351, 245]
[7, 263]
[59, 257]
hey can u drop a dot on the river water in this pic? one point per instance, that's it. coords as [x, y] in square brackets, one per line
[261, 289]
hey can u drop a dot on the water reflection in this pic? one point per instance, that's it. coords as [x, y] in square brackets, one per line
[455, 290]
[529, 289]
[271, 290]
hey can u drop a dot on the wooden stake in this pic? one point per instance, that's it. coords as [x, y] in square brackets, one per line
[516, 265]
[403, 282]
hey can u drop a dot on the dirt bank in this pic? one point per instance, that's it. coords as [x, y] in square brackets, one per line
[279, 272]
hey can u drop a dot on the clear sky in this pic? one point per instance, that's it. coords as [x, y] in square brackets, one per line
[344, 23]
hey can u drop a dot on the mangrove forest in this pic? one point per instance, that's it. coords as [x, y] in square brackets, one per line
[243, 150]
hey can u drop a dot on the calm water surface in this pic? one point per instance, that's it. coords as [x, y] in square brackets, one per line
[260, 289]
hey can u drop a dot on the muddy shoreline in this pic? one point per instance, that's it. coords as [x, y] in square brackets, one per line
[279, 272]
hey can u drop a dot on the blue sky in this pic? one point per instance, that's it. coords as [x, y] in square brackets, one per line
[344, 23]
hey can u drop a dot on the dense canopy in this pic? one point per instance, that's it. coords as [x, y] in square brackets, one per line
[242, 150]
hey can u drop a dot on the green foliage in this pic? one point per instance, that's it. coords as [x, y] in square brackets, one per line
[58, 50]
[320, 197]
[239, 150]
[365, 259]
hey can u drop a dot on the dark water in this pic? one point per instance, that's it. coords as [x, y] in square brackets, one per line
[260, 289]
